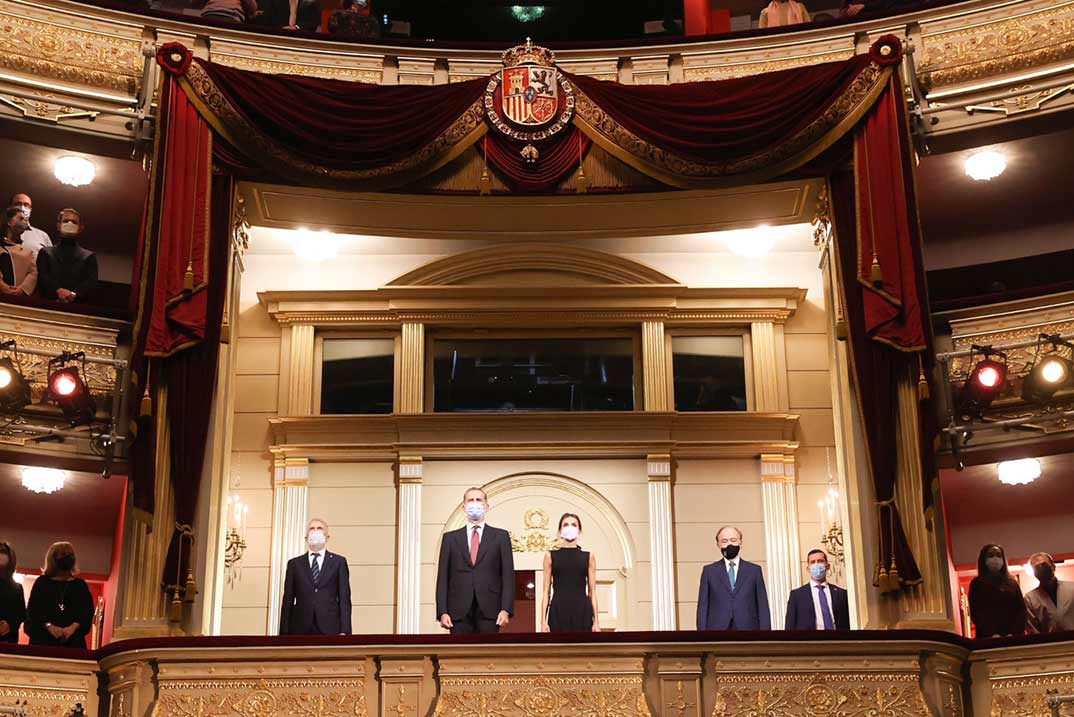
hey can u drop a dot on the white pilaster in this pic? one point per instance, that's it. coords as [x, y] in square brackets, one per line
[661, 540]
[290, 496]
[782, 552]
[408, 560]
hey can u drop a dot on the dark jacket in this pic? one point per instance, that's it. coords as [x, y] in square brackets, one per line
[800, 612]
[276, 13]
[491, 579]
[66, 267]
[321, 609]
[47, 597]
[997, 608]
[744, 608]
[12, 609]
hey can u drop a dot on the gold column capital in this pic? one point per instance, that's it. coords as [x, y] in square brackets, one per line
[410, 469]
[658, 467]
[290, 471]
[778, 468]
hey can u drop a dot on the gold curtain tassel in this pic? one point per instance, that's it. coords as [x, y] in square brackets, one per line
[922, 381]
[875, 275]
[583, 181]
[893, 577]
[188, 277]
[175, 610]
[191, 586]
[486, 182]
[145, 406]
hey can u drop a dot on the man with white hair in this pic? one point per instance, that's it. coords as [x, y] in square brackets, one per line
[1050, 605]
[316, 589]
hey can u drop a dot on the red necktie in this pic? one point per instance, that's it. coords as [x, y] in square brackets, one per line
[475, 543]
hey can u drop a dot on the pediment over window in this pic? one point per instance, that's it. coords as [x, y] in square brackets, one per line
[533, 264]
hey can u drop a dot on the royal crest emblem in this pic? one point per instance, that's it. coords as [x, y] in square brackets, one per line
[529, 99]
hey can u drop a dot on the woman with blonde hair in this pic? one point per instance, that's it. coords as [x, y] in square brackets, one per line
[60, 612]
[570, 573]
[12, 599]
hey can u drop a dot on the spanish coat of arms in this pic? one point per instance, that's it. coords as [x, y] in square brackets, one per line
[529, 99]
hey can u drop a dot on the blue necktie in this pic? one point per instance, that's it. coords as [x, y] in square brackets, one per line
[316, 568]
[825, 611]
[731, 575]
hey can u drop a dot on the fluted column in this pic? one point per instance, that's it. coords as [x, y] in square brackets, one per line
[661, 542]
[765, 367]
[300, 374]
[412, 369]
[782, 552]
[408, 546]
[654, 367]
[290, 496]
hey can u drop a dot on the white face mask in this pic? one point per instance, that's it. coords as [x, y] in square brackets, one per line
[69, 229]
[25, 210]
[570, 532]
[317, 539]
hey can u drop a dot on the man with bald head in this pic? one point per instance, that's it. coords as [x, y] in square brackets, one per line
[1050, 606]
[316, 589]
[732, 594]
[33, 238]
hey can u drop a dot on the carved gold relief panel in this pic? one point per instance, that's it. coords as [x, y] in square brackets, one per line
[804, 694]
[55, 49]
[1028, 696]
[48, 690]
[276, 697]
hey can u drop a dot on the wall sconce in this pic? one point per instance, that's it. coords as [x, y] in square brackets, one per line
[235, 539]
[831, 528]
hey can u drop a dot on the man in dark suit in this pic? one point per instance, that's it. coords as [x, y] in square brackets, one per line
[316, 589]
[818, 605]
[278, 14]
[475, 578]
[732, 594]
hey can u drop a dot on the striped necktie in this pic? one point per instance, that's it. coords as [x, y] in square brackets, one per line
[316, 568]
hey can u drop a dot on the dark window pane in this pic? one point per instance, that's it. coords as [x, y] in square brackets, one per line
[357, 375]
[534, 375]
[710, 373]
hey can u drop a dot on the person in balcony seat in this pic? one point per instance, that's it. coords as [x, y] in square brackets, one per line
[17, 266]
[33, 238]
[316, 589]
[240, 11]
[12, 598]
[996, 606]
[1050, 606]
[475, 576]
[781, 13]
[570, 576]
[732, 595]
[67, 272]
[818, 605]
[291, 14]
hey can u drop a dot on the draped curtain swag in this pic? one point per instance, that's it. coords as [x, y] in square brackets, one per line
[331, 133]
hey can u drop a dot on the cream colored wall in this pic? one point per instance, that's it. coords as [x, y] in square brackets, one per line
[358, 499]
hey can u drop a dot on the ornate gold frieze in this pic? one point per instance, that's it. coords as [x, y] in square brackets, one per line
[302, 69]
[998, 48]
[816, 694]
[537, 696]
[314, 697]
[700, 73]
[46, 107]
[46, 50]
[535, 539]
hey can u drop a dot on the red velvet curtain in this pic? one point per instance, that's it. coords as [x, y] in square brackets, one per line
[559, 157]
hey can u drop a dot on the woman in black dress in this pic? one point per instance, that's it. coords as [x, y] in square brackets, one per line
[12, 598]
[570, 573]
[60, 612]
[996, 604]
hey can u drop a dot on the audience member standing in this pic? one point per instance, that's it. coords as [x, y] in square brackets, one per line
[68, 272]
[818, 605]
[240, 11]
[1050, 605]
[781, 13]
[316, 589]
[17, 266]
[33, 239]
[60, 612]
[732, 595]
[570, 574]
[12, 598]
[996, 605]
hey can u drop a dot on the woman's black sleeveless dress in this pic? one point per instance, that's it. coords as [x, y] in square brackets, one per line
[571, 609]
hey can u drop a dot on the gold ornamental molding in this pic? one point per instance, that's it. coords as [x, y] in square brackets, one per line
[635, 434]
[298, 67]
[736, 68]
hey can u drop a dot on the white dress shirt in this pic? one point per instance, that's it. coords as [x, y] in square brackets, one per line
[35, 240]
[320, 558]
[470, 528]
[816, 602]
[727, 567]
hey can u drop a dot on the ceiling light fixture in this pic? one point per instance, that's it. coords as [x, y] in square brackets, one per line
[986, 165]
[43, 480]
[74, 171]
[757, 241]
[1019, 472]
[315, 246]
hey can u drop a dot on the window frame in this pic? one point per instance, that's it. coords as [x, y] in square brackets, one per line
[318, 364]
[744, 332]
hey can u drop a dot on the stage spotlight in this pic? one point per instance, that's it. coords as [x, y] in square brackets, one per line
[1049, 374]
[68, 391]
[983, 385]
[14, 390]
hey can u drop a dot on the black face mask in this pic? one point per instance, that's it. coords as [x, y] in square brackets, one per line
[65, 563]
[1044, 573]
[731, 551]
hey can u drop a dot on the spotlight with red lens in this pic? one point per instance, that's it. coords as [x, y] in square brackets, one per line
[985, 382]
[67, 390]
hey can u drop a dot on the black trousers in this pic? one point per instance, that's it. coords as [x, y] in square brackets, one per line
[474, 622]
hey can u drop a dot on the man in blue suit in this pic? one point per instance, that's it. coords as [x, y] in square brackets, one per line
[818, 605]
[732, 594]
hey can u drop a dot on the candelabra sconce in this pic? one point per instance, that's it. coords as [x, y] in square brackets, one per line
[235, 538]
[831, 527]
